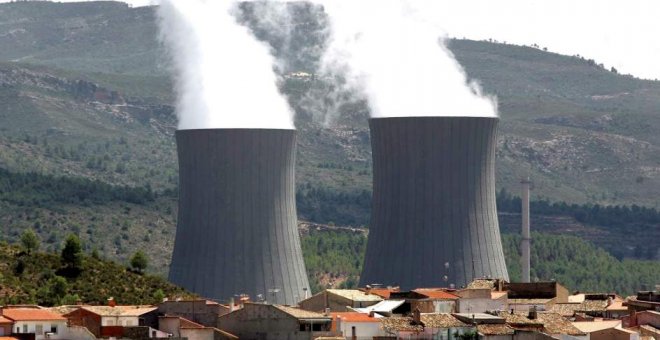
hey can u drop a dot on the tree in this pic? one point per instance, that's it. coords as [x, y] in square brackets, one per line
[159, 296]
[30, 241]
[72, 254]
[139, 261]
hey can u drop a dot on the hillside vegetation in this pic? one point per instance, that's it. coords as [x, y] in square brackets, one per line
[42, 278]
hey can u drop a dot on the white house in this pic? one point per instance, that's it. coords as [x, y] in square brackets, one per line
[354, 325]
[43, 323]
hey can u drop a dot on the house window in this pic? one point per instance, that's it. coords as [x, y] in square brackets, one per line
[24, 328]
[39, 329]
[53, 329]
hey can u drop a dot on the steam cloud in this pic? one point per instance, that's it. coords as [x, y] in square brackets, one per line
[391, 51]
[224, 76]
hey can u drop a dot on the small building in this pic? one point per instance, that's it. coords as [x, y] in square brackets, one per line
[426, 326]
[265, 321]
[204, 312]
[427, 300]
[599, 305]
[5, 326]
[523, 296]
[178, 327]
[43, 323]
[339, 300]
[354, 325]
[109, 321]
[480, 300]
[384, 308]
[644, 301]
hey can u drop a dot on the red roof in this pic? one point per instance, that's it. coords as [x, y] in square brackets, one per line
[382, 292]
[353, 317]
[31, 314]
[5, 320]
[436, 293]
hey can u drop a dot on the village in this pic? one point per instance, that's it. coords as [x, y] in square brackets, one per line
[485, 309]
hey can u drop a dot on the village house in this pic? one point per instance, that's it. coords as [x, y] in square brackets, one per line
[426, 326]
[204, 312]
[43, 323]
[522, 296]
[354, 325]
[427, 300]
[339, 300]
[111, 321]
[178, 327]
[265, 321]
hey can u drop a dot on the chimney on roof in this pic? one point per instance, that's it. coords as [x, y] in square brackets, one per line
[532, 313]
[417, 317]
[112, 302]
[371, 314]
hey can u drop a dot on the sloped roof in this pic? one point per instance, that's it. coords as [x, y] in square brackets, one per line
[354, 295]
[442, 320]
[385, 306]
[436, 293]
[592, 326]
[495, 329]
[5, 320]
[481, 284]
[569, 309]
[528, 301]
[31, 314]
[354, 317]
[300, 313]
[383, 292]
[400, 324]
[554, 323]
[120, 310]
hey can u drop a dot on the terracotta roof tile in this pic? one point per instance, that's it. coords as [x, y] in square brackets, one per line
[300, 313]
[400, 324]
[436, 293]
[442, 320]
[31, 314]
[354, 317]
[495, 329]
[5, 320]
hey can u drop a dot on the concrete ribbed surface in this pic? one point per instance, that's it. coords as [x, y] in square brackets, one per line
[237, 224]
[433, 202]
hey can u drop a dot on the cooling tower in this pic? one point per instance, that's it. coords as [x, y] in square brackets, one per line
[434, 219]
[237, 227]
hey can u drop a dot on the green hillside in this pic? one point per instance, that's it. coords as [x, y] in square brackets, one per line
[42, 278]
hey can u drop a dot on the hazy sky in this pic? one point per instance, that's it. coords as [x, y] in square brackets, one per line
[619, 33]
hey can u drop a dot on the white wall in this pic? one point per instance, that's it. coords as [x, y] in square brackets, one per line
[19, 327]
[120, 321]
[362, 329]
[480, 305]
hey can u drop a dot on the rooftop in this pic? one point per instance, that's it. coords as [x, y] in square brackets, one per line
[443, 320]
[400, 324]
[495, 329]
[31, 314]
[481, 284]
[5, 320]
[354, 317]
[354, 294]
[301, 313]
[592, 326]
[120, 310]
[385, 306]
[435, 293]
[528, 301]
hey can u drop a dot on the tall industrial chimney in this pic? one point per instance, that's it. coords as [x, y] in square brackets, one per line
[433, 208]
[237, 227]
[525, 241]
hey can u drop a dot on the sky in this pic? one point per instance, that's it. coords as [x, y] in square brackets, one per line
[618, 33]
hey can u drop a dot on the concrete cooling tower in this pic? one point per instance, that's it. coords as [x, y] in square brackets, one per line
[434, 219]
[237, 227]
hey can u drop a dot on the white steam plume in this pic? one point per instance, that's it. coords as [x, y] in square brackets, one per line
[224, 75]
[391, 51]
